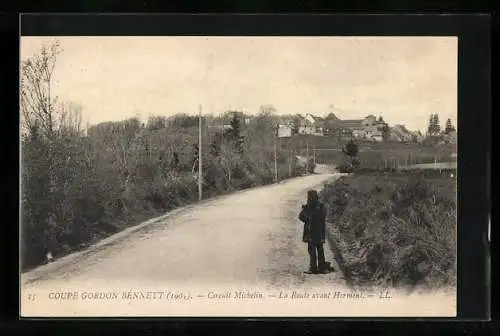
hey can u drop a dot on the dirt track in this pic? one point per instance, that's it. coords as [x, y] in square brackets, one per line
[249, 241]
[251, 237]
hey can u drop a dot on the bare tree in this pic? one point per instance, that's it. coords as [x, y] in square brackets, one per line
[36, 97]
[38, 122]
[228, 160]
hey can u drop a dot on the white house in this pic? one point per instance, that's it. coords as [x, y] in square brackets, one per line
[359, 133]
[311, 124]
[376, 136]
[284, 131]
[369, 133]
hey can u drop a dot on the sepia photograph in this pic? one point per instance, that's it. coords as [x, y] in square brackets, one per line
[216, 176]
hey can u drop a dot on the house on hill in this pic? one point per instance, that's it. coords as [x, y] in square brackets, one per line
[373, 129]
[369, 128]
[310, 124]
[342, 128]
[284, 131]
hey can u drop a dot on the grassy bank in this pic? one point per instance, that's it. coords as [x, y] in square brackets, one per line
[371, 154]
[395, 229]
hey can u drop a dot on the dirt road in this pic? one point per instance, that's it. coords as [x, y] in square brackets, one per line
[251, 237]
[199, 258]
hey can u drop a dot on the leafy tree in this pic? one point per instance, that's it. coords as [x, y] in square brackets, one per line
[235, 127]
[295, 124]
[437, 126]
[430, 127]
[449, 127]
[351, 150]
[434, 127]
[234, 134]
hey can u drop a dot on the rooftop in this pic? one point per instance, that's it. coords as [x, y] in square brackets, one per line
[353, 123]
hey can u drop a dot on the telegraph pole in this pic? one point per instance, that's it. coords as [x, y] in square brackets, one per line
[276, 154]
[290, 163]
[200, 165]
[314, 154]
[307, 158]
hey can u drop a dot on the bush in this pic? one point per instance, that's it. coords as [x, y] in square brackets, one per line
[396, 230]
[77, 190]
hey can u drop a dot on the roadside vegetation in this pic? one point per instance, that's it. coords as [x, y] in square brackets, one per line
[81, 184]
[394, 229]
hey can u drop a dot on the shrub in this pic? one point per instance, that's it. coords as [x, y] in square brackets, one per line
[394, 229]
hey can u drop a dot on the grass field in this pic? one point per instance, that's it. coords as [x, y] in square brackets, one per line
[371, 154]
[396, 229]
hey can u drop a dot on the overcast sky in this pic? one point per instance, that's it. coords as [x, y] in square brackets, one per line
[404, 79]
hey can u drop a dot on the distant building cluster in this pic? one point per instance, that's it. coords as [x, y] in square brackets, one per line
[369, 128]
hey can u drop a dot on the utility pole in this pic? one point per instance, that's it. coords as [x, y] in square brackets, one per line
[314, 154]
[307, 158]
[290, 163]
[276, 154]
[200, 165]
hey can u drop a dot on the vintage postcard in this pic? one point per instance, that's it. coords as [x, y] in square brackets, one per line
[238, 176]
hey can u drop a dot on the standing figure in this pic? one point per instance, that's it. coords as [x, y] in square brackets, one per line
[313, 215]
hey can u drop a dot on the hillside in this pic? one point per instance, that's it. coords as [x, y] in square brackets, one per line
[329, 150]
[402, 134]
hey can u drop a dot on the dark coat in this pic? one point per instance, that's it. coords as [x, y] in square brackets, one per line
[313, 216]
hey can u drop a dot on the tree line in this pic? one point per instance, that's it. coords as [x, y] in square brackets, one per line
[434, 126]
[81, 184]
